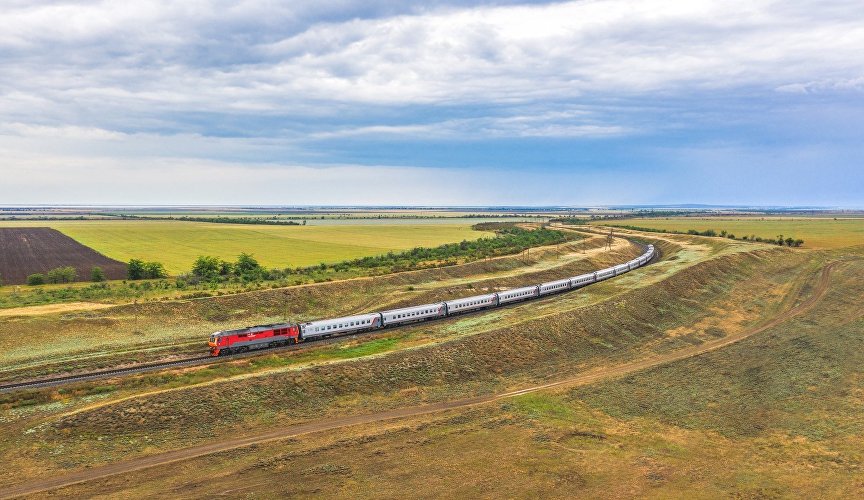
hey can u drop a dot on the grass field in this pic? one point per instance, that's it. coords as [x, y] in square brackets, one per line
[177, 244]
[816, 232]
[776, 415]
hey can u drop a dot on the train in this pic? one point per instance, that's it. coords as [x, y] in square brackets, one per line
[282, 334]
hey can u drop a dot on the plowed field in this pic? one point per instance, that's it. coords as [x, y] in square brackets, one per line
[28, 250]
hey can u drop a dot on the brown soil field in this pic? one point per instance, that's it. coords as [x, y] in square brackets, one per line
[28, 250]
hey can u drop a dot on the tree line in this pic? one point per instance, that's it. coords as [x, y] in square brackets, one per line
[779, 240]
[509, 239]
[66, 274]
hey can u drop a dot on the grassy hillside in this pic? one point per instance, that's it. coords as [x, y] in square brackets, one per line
[816, 232]
[176, 244]
[775, 415]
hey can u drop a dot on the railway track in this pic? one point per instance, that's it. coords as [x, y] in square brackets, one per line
[322, 425]
[151, 367]
[41, 383]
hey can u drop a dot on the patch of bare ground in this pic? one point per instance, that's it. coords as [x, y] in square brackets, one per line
[52, 309]
[29, 250]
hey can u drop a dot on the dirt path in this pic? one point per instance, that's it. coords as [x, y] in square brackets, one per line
[53, 308]
[589, 377]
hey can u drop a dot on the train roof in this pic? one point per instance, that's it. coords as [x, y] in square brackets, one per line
[257, 328]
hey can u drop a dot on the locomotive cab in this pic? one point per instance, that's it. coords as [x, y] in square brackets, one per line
[214, 344]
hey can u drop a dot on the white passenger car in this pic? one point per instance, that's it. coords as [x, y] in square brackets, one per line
[605, 273]
[336, 326]
[554, 286]
[471, 303]
[582, 280]
[517, 294]
[414, 313]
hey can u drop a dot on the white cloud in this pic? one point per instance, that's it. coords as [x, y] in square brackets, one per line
[548, 124]
[171, 55]
[252, 88]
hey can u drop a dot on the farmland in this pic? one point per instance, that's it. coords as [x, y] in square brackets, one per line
[816, 232]
[30, 250]
[177, 244]
[774, 414]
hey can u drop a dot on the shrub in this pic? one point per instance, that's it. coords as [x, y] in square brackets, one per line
[154, 270]
[66, 274]
[97, 274]
[36, 279]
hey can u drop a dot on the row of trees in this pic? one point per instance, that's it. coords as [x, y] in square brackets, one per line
[779, 240]
[209, 268]
[66, 274]
[136, 270]
[509, 240]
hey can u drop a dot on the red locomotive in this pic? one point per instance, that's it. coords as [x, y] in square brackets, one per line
[253, 337]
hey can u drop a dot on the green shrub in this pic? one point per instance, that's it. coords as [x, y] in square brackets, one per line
[36, 279]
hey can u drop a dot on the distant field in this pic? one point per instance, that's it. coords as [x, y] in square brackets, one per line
[816, 232]
[176, 244]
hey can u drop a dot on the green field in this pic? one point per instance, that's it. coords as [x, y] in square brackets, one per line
[177, 244]
[816, 232]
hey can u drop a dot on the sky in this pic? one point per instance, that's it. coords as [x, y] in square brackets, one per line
[344, 102]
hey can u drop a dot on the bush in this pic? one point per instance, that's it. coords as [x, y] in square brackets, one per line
[66, 274]
[36, 279]
[154, 270]
[139, 270]
[135, 269]
[97, 274]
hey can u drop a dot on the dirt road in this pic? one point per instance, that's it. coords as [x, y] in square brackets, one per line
[589, 377]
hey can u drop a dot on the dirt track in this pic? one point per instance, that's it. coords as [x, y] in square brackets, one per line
[336, 423]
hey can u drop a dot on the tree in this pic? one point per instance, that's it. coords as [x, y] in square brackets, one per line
[66, 274]
[789, 241]
[140, 270]
[206, 267]
[97, 274]
[153, 270]
[36, 279]
[225, 268]
[247, 266]
[135, 269]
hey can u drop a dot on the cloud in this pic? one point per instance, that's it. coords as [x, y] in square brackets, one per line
[824, 86]
[214, 56]
[556, 124]
[266, 87]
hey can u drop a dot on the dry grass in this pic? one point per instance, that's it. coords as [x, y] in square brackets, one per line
[635, 437]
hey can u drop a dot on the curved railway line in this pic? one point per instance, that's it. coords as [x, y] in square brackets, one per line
[805, 304]
[40, 383]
